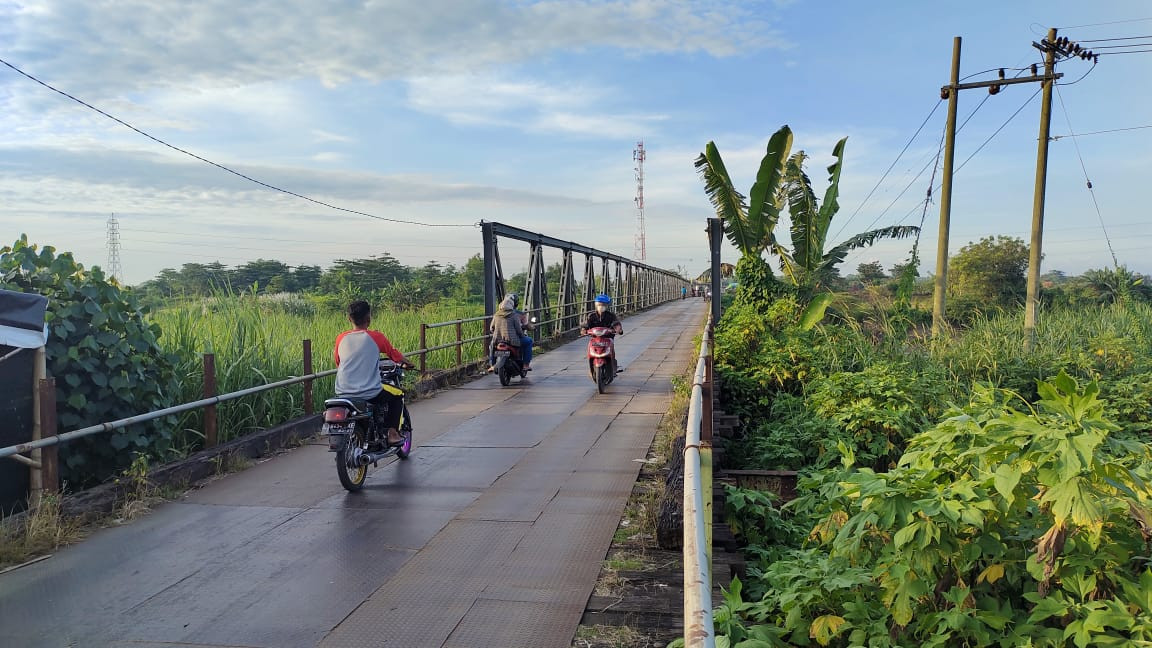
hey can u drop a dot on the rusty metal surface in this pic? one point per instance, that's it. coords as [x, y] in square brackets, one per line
[491, 534]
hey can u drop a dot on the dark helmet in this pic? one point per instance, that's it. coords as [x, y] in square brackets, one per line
[515, 299]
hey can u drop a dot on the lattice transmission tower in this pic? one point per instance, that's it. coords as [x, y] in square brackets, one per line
[640, 251]
[114, 269]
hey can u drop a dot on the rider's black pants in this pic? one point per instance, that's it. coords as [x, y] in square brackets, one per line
[388, 408]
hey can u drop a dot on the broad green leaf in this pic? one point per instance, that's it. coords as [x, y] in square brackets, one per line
[825, 627]
[814, 311]
[1007, 477]
[991, 573]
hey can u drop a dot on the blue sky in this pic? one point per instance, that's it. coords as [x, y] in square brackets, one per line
[522, 112]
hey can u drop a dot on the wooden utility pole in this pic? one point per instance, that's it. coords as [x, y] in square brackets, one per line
[1032, 302]
[953, 93]
[1051, 48]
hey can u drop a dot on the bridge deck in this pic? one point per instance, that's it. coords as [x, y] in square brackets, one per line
[490, 535]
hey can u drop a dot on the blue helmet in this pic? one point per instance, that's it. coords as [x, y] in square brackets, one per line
[603, 299]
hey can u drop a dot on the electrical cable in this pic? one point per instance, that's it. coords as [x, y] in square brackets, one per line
[1120, 53]
[1109, 40]
[1111, 130]
[997, 132]
[1082, 77]
[890, 167]
[1087, 181]
[1114, 22]
[221, 166]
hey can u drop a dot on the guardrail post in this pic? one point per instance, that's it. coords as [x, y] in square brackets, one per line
[210, 432]
[308, 405]
[423, 347]
[459, 344]
[49, 463]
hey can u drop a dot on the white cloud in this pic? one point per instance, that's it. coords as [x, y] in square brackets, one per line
[113, 46]
[533, 106]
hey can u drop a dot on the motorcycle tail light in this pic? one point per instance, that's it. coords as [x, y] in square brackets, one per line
[335, 415]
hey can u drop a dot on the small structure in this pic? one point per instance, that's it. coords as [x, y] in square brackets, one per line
[23, 335]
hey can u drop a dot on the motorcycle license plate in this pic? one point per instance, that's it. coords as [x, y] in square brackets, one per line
[337, 428]
[503, 354]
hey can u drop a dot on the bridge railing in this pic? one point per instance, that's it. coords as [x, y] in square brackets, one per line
[699, 631]
[47, 465]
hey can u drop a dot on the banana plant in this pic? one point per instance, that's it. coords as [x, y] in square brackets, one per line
[807, 265]
[750, 223]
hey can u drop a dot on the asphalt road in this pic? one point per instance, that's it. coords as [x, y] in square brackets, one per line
[491, 534]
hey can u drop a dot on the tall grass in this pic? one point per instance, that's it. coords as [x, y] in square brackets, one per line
[256, 341]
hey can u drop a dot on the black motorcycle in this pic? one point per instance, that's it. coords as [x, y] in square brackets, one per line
[356, 435]
[506, 361]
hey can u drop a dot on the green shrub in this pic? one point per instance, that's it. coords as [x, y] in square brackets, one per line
[876, 410]
[999, 526]
[105, 357]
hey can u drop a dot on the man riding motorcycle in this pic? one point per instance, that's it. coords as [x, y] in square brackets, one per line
[602, 316]
[357, 353]
[508, 326]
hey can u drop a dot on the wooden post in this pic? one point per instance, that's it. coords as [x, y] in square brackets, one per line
[39, 373]
[308, 409]
[49, 464]
[209, 391]
[941, 282]
[423, 347]
[459, 344]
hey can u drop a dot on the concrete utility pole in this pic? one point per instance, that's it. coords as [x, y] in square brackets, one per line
[952, 93]
[1032, 302]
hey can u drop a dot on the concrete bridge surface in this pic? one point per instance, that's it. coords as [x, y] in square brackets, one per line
[491, 534]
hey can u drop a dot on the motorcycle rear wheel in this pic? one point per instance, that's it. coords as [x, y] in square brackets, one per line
[505, 375]
[351, 477]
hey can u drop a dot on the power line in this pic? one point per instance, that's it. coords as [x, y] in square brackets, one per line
[1127, 52]
[997, 132]
[1114, 22]
[1110, 40]
[1087, 181]
[890, 167]
[221, 166]
[1111, 130]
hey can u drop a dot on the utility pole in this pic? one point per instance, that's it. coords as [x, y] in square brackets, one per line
[1052, 48]
[1032, 302]
[952, 92]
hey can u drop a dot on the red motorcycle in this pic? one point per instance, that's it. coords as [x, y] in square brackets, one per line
[602, 367]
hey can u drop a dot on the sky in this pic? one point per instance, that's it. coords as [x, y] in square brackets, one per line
[528, 112]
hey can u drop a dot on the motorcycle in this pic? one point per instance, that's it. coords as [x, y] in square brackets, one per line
[507, 362]
[357, 436]
[602, 367]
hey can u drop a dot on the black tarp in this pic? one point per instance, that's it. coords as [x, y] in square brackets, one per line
[22, 319]
[15, 423]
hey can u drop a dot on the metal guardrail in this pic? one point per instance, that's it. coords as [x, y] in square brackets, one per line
[699, 631]
[47, 463]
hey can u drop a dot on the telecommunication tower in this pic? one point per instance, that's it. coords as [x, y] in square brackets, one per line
[640, 250]
[114, 269]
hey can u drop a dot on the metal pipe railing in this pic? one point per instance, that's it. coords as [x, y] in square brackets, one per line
[142, 418]
[15, 451]
[699, 631]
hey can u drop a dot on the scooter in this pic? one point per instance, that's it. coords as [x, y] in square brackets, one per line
[355, 435]
[602, 367]
[507, 362]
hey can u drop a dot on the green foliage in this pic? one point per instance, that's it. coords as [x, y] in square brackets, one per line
[877, 409]
[987, 275]
[1000, 526]
[105, 356]
[872, 271]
